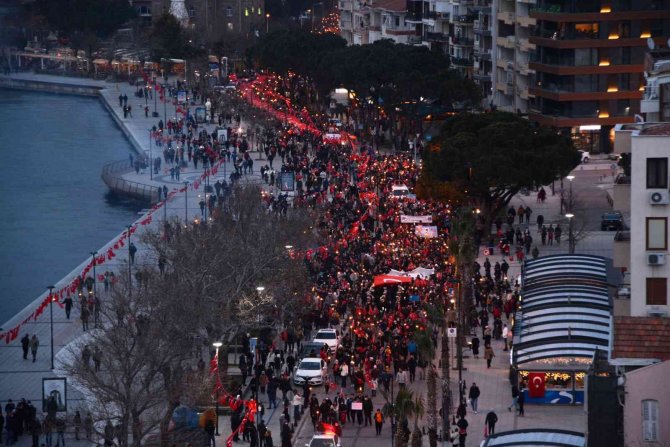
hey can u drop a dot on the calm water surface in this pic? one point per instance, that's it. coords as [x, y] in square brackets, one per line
[54, 208]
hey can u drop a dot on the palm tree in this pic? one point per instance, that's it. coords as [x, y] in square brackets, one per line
[404, 408]
[431, 397]
[419, 411]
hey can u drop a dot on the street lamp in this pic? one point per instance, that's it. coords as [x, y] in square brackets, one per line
[96, 310]
[51, 312]
[267, 23]
[130, 278]
[151, 157]
[571, 241]
[186, 203]
[217, 345]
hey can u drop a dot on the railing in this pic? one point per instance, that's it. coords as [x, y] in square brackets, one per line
[462, 62]
[462, 41]
[437, 36]
[112, 176]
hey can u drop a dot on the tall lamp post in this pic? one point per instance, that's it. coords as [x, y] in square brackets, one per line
[151, 156]
[267, 23]
[51, 312]
[96, 310]
[571, 237]
[260, 290]
[130, 278]
[217, 345]
[186, 203]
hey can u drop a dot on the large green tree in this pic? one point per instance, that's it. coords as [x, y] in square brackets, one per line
[98, 17]
[489, 158]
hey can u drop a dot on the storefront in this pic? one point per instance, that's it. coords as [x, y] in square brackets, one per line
[565, 316]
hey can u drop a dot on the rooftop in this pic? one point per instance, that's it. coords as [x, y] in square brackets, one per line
[657, 130]
[641, 338]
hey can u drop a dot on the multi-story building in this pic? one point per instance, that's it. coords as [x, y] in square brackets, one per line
[655, 104]
[512, 28]
[483, 49]
[366, 22]
[649, 213]
[588, 62]
[208, 17]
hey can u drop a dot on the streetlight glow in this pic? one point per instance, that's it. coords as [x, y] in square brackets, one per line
[260, 288]
[570, 177]
[569, 215]
[217, 344]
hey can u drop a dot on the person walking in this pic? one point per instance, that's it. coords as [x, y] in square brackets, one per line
[505, 334]
[60, 432]
[68, 306]
[515, 397]
[462, 425]
[379, 422]
[34, 344]
[77, 425]
[520, 401]
[25, 345]
[491, 419]
[88, 426]
[473, 395]
[488, 355]
[131, 251]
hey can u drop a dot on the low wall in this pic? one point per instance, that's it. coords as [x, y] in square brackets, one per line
[49, 87]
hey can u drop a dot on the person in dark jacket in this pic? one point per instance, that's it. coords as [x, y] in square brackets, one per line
[491, 419]
[473, 395]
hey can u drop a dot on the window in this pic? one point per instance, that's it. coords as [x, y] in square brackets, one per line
[657, 291]
[229, 11]
[657, 173]
[650, 420]
[191, 12]
[657, 233]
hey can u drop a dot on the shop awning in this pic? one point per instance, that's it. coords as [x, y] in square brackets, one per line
[565, 310]
[536, 437]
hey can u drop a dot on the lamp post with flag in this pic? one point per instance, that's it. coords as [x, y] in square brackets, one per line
[214, 367]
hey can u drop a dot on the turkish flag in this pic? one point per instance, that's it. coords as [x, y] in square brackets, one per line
[536, 384]
[390, 280]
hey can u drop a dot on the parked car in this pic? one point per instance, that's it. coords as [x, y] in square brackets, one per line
[612, 220]
[329, 337]
[586, 156]
[310, 369]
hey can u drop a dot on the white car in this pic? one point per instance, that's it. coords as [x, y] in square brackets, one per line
[325, 440]
[310, 369]
[401, 192]
[328, 337]
[585, 156]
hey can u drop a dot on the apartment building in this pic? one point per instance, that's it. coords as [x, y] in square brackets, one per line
[363, 22]
[212, 18]
[655, 104]
[588, 63]
[512, 29]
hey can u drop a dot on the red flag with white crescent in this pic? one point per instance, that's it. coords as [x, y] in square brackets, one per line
[536, 384]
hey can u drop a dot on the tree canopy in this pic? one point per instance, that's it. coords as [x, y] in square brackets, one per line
[488, 158]
[99, 17]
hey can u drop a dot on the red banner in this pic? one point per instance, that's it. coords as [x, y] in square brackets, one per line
[391, 280]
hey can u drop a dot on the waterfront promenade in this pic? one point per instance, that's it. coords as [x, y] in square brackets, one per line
[22, 379]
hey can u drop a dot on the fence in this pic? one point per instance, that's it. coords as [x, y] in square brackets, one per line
[112, 175]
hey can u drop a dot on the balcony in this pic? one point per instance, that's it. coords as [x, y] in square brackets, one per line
[345, 24]
[436, 37]
[507, 17]
[525, 45]
[464, 20]
[482, 28]
[461, 62]
[482, 6]
[650, 105]
[345, 5]
[461, 41]
[506, 42]
[507, 89]
[482, 76]
[414, 17]
[526, 21]
[436, 15]
[483, 54]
